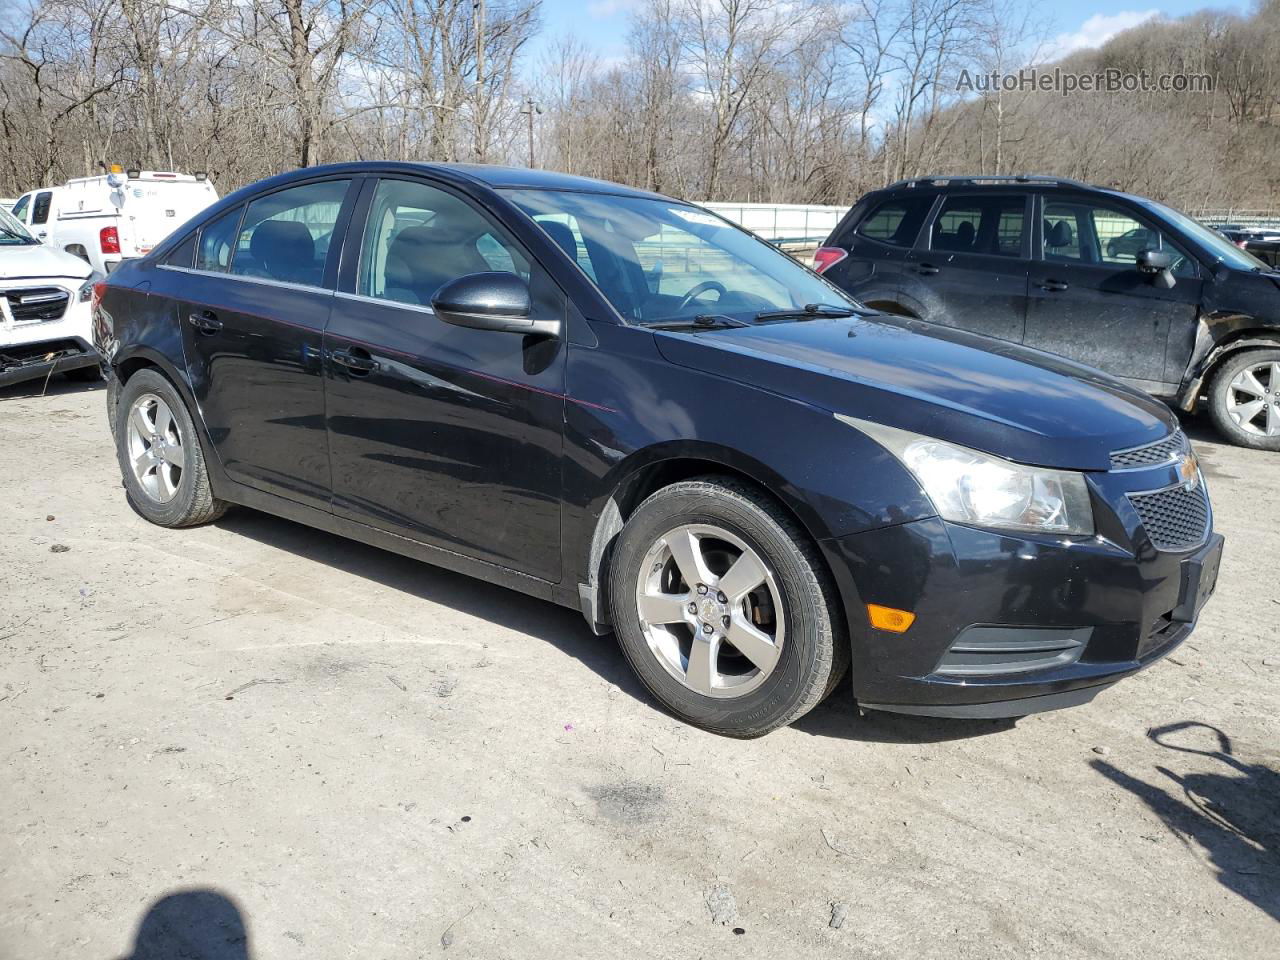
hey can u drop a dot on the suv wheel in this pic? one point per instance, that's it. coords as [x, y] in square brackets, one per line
[724, 609]
[160, 455]
[1244, 399]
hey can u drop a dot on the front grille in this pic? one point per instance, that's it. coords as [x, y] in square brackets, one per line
[1175, 519]
[35, 304]
[1167, 450]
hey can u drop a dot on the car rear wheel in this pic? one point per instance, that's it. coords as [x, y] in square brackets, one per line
[160, 456]
[724, 608]
[1244, 399]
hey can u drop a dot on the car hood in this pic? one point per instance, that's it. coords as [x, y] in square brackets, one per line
[987, 394]
[39, 262]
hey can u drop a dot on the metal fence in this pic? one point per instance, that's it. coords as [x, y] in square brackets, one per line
[1217, 216]
[789, 223]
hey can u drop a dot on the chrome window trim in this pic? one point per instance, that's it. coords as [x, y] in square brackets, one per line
[385, 302]
[266, 281]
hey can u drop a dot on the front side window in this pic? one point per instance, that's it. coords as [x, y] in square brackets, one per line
[896, 222]
[217, 241]
[658, 260]
[40, 209]
[20, 208]
[1102, 235]
[418, 237]
[991, 225]
[286, 235]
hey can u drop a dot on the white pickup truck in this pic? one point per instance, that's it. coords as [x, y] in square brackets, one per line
[113, 216]
[46, 312]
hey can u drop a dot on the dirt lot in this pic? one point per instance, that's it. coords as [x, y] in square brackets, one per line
[261, 741]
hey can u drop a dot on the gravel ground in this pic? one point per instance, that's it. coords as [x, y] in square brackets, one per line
[255, 740]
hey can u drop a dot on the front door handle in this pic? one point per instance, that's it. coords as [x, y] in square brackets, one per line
[206, 321]
[357, 361]
[1052, 285]
[926, 269]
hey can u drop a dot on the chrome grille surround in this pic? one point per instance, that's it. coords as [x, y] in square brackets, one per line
[1168, 450]
[36, 304]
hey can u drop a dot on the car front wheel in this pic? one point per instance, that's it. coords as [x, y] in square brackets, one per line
[1244, 399]
[724, 608]
[160, 456]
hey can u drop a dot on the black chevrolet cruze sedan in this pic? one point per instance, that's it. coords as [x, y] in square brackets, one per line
[624, 404]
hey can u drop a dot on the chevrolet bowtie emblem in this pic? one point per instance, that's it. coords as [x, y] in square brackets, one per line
[1189, 471]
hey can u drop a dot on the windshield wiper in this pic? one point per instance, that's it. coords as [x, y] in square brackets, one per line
[811, 311]
[18, 236]
[703, 321]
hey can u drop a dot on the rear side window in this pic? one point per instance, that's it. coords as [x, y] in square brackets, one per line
[286, 235]
[217, 241]
[180, 256]
[896, 222]
[988, 225]
[40, 209]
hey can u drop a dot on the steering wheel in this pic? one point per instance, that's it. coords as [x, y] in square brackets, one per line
[698, 290]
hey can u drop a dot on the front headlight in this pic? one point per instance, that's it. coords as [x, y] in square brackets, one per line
[86, 288]
[976, 488]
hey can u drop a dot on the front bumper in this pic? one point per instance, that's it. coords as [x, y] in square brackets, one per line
[1082, 613]
[39, 348]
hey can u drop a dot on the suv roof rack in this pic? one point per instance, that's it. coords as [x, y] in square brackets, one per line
[987, 178]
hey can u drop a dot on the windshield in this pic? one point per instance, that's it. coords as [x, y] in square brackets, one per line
[1222, 248]
[661, 261]
[13, 233]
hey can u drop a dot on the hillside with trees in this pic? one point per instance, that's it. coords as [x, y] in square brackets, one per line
[761, 100]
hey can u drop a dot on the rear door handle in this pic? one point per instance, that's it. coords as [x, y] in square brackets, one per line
[205, 321]
[1052, 285]
[926, 269]
[356, 360]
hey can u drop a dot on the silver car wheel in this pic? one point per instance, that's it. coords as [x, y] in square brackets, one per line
[711, 611]
[155, 447]
[1253, 399]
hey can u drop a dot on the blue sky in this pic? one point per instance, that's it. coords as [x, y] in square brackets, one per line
[602, 24]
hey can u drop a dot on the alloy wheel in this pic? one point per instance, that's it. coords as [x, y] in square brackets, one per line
[710, 610]
[1253, 399]
[155, 447]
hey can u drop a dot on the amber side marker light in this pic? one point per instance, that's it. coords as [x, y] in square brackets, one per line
[888, 618]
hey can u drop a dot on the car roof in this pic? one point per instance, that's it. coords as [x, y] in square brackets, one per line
[493, 176]
[947, 183]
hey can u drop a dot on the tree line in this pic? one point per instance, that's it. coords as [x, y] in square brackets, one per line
[750, 100]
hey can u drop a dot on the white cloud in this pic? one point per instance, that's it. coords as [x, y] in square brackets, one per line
[604, 9]
[1094, 32]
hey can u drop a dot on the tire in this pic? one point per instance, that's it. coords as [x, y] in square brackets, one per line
[171, 488]
[1243, 379]
[721, 520]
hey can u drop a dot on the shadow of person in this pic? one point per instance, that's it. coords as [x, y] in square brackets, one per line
[195, 924]
[1232, 812]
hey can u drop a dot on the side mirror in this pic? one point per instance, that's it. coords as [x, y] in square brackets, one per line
[1153, 261]
[491, 301]
[1158, 265]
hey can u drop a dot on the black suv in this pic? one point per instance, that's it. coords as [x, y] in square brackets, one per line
[1116, 281]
